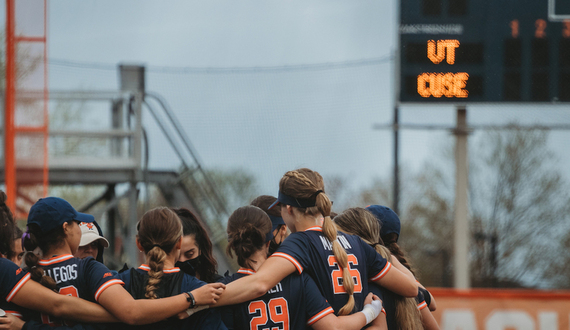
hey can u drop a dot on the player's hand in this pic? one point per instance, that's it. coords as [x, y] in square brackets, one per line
[370, 297]
[11, 322]
[209, 293]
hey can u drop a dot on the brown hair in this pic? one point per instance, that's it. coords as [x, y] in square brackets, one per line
[305, 183]
[390, 241]
[36, 238]
[360, 222]
[6, 226]
[191, 226]
[264, 202]
[158, 232]
[247, 229]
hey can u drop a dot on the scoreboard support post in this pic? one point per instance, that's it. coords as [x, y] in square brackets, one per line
[461, 277]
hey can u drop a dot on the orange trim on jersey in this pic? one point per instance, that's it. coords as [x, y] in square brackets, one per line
[422, 305]
[18, 286]
[383, 311]
[316, 228]
[291, 259]
[15, 313]
[383, 272]
[320, 315]
[105, 286]
[246, 271]
[166, 271]
[55, 260]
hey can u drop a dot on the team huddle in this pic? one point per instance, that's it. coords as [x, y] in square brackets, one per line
[333, 271]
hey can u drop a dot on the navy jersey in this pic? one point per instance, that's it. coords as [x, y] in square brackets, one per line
[311, 251]
[12, 278]
[206, 319]
[294, 303]
[84, 278]
[389, 303]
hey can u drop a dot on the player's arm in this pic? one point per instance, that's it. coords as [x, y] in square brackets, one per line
[396, 263]
[11, 322]
[143, 311]
[355, 321]
[33, 295]
[428, 297]
[428, 320]
[398, 282]
[250, 287]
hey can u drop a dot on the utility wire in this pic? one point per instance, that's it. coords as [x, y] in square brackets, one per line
[185, 70]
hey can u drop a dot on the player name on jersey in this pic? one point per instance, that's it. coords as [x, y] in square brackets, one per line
[63, 273]
[277, 288]
[341, 239]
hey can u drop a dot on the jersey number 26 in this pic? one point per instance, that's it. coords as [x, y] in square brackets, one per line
[336, 274]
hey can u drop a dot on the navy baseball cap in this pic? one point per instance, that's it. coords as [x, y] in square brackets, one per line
[297, 202]
[389, 221]
[52, 212]
[276, 221]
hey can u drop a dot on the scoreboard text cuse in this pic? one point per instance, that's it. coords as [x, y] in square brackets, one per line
[484, 51]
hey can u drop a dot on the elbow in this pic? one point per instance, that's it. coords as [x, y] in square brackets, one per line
[261, 288]
[130, 318]
[411, 290]
[58, 308]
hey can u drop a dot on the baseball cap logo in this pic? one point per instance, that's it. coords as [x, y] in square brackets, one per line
[89, 225]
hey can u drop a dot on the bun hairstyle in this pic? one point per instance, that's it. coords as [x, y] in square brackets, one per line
[247, 230]
[6, 226]
[158, 232]
[191, 226]
[360, 222]
[306, 184]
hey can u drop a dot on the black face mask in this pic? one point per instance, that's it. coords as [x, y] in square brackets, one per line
[273, 246]
[189, 266]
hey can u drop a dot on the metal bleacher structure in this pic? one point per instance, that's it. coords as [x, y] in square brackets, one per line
[123, 168]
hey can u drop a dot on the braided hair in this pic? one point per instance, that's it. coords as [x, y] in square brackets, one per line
[305, 183]
[158, 232]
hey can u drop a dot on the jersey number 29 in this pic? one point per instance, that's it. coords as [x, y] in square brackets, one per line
[278, 313]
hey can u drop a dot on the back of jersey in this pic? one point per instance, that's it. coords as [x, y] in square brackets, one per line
[311, 252]
[294, 303]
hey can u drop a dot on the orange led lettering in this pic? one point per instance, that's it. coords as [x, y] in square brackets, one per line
[566, 29]
[540, 27]
[515, 28]
[437, 50]
[443, 84]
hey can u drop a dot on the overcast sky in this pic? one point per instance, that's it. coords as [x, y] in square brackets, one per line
[266, 121]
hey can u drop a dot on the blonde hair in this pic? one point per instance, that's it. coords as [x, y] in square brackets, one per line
[158, 232]
[305, 183]
[360, 222]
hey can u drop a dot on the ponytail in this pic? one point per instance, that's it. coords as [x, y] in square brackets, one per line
[156, 257]
[392, 245]
[305, 183]
[360, 222]
[158, 232]
[32, 260]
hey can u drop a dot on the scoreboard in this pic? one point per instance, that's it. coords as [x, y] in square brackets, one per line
[463, 51]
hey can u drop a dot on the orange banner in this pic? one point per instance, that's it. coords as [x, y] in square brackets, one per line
[501, 309]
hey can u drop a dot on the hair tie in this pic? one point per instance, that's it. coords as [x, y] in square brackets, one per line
[34, 267]
[376, 244]
[316, 193]
[156, 245]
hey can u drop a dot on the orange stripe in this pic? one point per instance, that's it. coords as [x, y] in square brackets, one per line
[246, 271]
[55, 260]
[15, 313]
[105, 286]
[291, 259]
[501, 293]
[17, 287]
[422, 305]
[383, 272]
[320, 315]
[316, 228]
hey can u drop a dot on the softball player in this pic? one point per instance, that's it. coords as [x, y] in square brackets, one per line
[53, 226]
[340, 265]
[295, 302]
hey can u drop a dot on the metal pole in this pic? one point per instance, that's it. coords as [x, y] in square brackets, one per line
[461, 237]
[9, 152]
[396, 192]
